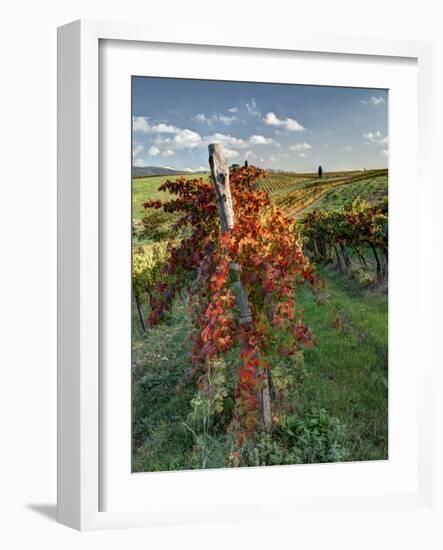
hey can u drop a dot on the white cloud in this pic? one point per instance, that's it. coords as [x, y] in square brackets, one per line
[163, 128]
[204, 119]
[251, 154]
[139, 162]
[199, 169]
[302, 155]
[137, 148]
[348, 148]
[210, 120]
[169, 138]
[384, 152]
[187, 139]
[231, 153]
[375, 138]
[260, 140]
[227, 140]
[233, 110]
[300, 147]
[155, 151]
[183, 139]
[278, 157]
[227, 120]
[288, 124]
[239, 143]
[251, 106]
[373, 101]
[140, 124]
[201, 118]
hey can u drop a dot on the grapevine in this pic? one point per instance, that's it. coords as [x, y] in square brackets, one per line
[267, 246]
[358, 226]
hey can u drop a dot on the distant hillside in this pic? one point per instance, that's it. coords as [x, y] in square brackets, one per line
[373, 190]
[297, 193]
[144, 171]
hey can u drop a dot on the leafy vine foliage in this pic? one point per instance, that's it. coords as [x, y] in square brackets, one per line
[146, 269]
[265, 243]
[359, 226]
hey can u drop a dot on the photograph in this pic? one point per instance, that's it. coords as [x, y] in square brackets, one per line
[259, 274]
[229, 239]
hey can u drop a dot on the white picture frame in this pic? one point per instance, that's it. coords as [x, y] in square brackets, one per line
[81, 471]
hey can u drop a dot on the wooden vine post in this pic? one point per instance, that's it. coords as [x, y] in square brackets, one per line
[220, 173]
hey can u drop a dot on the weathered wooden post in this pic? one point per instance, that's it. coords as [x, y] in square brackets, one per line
[220, 173]
[140, 314]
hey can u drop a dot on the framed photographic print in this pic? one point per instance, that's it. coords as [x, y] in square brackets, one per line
[260, 319]
[238, 234]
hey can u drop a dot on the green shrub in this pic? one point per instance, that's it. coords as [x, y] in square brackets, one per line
[317, 437]
[361, 275]
[156, 226]
[266, 450]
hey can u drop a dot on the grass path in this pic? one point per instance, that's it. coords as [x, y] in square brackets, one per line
[347, 372]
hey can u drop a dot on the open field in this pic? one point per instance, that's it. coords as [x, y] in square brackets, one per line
[296, 194]
[292, 192]
[374, 190]
[147, 188]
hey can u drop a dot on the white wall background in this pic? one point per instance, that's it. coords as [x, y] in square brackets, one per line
[28, 264]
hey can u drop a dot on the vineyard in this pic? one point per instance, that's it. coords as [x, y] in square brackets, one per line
[295, 195]
[262, 341]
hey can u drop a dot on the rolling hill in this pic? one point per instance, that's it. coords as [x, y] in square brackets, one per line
[145, 171]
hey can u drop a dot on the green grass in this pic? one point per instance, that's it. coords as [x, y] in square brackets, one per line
[295, 196]
[345, 374]
[156, 224]
[147, 188]
[160, 358]
[275, 183]
[373, 190]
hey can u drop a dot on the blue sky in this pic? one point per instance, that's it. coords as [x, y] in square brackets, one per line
[281, 126]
